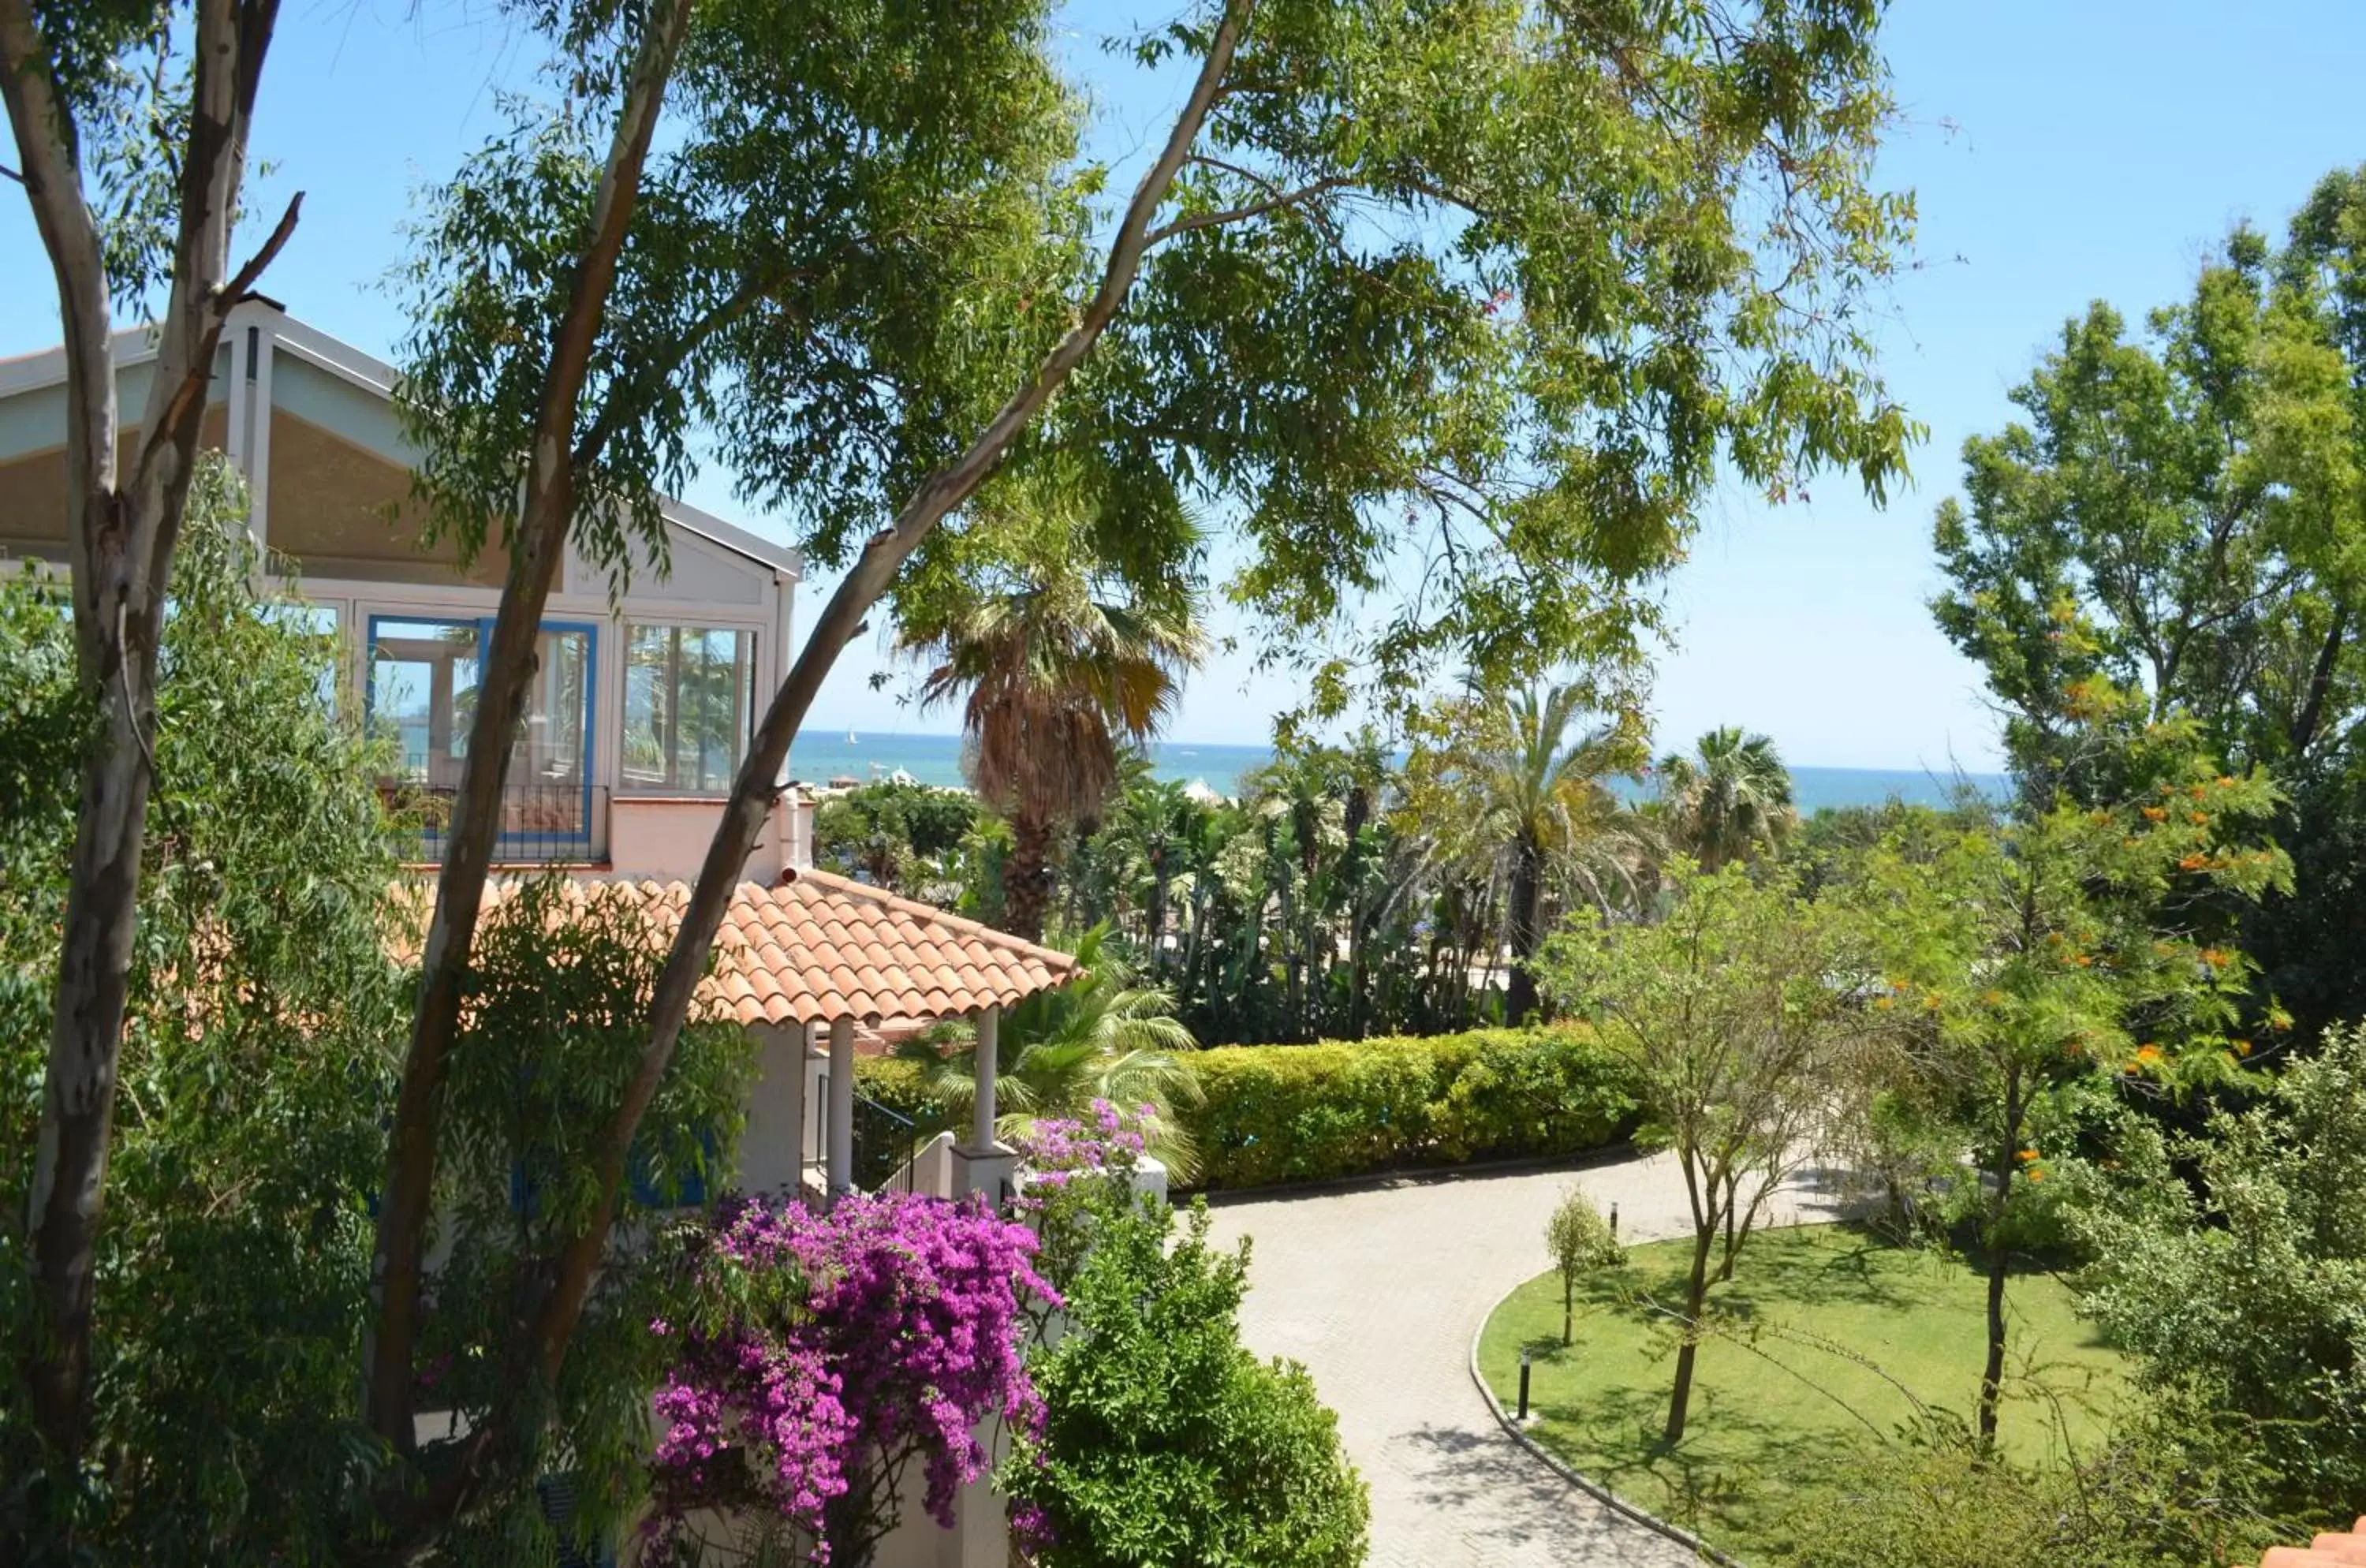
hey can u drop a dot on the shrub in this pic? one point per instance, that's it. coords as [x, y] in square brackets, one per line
[2173, 1482]
[1274, 1113]
[1579, 1239]
[1165, 1443]
[1278, 1113]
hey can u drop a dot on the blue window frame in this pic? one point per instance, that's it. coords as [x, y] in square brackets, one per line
[422, 691]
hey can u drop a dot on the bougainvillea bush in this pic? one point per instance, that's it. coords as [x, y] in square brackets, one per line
[1109, 1141]
[835, 1361]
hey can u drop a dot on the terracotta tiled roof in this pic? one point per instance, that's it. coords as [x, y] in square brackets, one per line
[2348, 1547]
[821, 947]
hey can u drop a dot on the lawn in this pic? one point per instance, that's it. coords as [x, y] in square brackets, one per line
[1783, 1394]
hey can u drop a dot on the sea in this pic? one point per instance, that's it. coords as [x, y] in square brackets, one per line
[820, 756]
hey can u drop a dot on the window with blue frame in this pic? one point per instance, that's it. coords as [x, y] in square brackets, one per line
[422, 694]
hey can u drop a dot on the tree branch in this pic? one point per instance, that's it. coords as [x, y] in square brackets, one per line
[1247, 209]
[543, 522]
[755, 788]
[239, 289]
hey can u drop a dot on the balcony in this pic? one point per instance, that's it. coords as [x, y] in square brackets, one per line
[542, 824]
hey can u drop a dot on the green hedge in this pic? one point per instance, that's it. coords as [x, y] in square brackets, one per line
[1281, 1113]
[1276, 1113]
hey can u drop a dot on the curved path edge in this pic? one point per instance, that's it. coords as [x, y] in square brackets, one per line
[1570, 1472]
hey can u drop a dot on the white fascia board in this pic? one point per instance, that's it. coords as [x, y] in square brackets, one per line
[31, 372]
[788, 561]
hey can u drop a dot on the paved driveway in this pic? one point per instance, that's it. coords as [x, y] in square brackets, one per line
[1379, 1291]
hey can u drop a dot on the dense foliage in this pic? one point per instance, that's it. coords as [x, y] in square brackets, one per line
[558, 1003]
[1342, 891]
[903, 836]
[832, 1368]
[2251, 1281]
[1100, 1038]
[2029, 964]
[2173, 1483]
[1165, 1443]
[2177, 521]
[234, 1260]
[1266, 1114]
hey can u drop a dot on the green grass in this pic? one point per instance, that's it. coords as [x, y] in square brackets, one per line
[1780, 1396]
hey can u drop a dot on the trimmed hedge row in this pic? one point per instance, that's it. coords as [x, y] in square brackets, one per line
[1282, 1114]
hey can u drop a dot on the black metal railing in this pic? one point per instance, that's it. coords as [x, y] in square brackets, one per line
[884, 1143]
[541, 823]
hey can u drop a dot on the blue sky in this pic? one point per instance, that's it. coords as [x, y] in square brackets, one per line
[2059, 153]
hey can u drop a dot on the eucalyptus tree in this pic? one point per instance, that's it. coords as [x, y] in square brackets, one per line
[1381, 295]
[1729, 799]
[843, 186]
[131, 121]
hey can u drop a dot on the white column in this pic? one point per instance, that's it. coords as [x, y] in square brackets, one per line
[841, 1105]
[983, 1115]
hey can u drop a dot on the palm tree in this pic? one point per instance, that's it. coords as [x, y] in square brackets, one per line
[1102, 1036]
[1728, 800]
[1057, 682]
[1509, 790]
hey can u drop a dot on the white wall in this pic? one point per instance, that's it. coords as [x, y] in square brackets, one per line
[666, 837]
[778, 1139]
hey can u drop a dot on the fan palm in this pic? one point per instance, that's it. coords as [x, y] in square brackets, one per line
[1102, 1036]
[1728, 800]
[1055, 683]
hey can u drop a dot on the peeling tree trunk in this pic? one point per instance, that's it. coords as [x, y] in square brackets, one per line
[121, 531]
[757, 785]
[539, 546]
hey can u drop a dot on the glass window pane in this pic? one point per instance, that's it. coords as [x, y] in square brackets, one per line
[422, 691]
[686, 706]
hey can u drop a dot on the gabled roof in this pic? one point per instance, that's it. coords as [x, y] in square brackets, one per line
[820, 948]
[137, 345]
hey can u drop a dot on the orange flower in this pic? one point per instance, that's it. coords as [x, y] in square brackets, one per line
[2148, 1053]
[2199, 793]
[1884, 1003]
[2155, 814]
[2028, 1155]
[2199, 819]
[2242, 1047]
[2084, 960]
[1930, 1001]
[2193, 862]
[2225, 781]
[2214, 956]
[2033, 1174]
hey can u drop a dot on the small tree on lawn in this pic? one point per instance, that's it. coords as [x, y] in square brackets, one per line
[1737, 1012]
[2027, 963]
[1580, 1239]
